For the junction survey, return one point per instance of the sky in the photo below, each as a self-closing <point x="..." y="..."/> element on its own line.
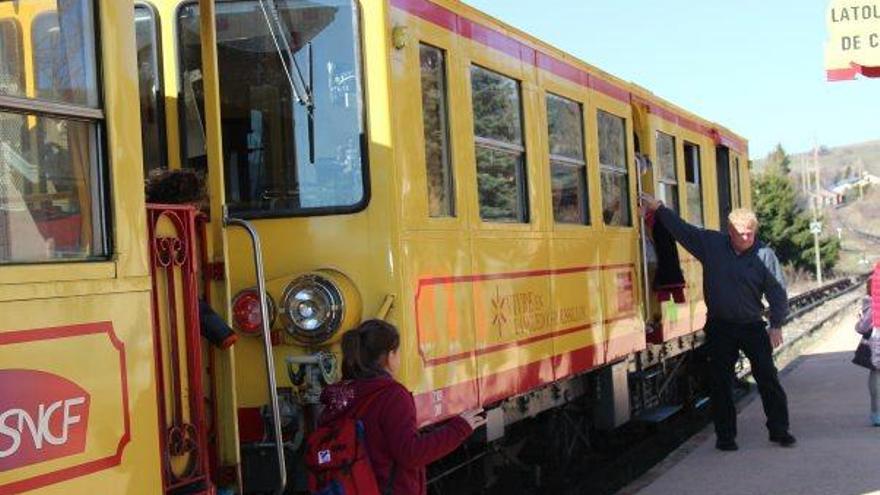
<point x="754" y="66"/>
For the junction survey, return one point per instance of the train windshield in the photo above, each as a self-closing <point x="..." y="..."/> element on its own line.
<point x="291" y="104"/>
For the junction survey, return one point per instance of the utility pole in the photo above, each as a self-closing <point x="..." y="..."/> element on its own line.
<point x="860" y="183"/>
<point x="816" y="225"/>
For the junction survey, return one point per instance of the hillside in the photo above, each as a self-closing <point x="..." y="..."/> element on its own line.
<point x="859" y="231"/>
<point x="833" y="161"/>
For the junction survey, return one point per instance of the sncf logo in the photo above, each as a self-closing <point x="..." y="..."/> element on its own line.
<point x="42" y="417"/>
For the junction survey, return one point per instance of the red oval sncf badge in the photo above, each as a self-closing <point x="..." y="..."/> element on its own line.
<point x="42" y="417"/>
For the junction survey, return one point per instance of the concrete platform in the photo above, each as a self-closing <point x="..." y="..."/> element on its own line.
<point x="838" y="452"/>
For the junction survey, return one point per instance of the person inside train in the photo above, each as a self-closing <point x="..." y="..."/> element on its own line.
<point x="397" y="450"/>
<point x="738" y="271"/>
<point x="868" y="352"/>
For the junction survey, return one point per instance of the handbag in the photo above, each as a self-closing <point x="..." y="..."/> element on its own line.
<point x="862" y="355"/>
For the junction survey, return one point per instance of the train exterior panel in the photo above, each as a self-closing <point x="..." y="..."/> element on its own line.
<point x="78" y="407"/>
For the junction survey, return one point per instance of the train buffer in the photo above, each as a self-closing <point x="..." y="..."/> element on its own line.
<point x="837" y="449"/>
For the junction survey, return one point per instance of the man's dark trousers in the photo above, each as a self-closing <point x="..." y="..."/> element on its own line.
<point x="725" y="340"/>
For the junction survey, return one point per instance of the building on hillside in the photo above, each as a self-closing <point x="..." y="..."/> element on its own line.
<point x="826" y="197"/>
<point x="853" y="184"/>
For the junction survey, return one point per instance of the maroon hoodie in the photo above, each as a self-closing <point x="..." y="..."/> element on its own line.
<point x="392" y="437"/>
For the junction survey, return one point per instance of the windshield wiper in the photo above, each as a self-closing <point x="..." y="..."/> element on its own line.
<point x="301" y="90"/>
<point x="303" y="93"/>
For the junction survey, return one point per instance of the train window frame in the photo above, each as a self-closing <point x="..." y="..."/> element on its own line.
<point x="448" y="209"/>
<point x="363" y="146"/>
<point x="693" y="177"/>
<point x="735" y="191"/>
<point x="161" y="115"/>
<point x="96" y="164"/>
<point x="569" y="163"/>
<point x="616" y="170"/>
<point x="665" y="184"/>
<point x="497" y="146"/>
<point x="18" y="34"/>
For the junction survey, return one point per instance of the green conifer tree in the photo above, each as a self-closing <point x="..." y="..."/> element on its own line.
<point x="785" y="226"/>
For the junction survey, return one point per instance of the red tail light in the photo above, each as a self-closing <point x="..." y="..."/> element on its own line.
<point x="246" y="312"/>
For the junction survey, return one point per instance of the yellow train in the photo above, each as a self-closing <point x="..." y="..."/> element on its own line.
<point x="411" y="160"/>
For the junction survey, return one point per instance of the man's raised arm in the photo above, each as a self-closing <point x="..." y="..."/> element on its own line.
<point x="691" y="237"/>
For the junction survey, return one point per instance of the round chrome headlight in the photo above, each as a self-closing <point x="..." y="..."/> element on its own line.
<point x="313" y="308"/>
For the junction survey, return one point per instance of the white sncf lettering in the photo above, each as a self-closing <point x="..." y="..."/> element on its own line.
<point x="23" y="422"/>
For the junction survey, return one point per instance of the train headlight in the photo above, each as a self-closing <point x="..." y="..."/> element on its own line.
<point x="246" y="314"/>
<point x="317" y="305"/>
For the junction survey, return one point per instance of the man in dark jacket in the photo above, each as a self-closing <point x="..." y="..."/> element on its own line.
<point x="738" y="270"/>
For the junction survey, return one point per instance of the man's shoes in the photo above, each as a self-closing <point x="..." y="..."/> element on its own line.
<point x="727" y="445"/>
<point x="784" y="439"/>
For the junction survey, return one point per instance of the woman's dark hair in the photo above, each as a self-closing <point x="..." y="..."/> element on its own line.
<point x="364" y="347"/>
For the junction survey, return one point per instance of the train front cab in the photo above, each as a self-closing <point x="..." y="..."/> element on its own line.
<point x="78" y="399"/>
<point x="301" y="154"/>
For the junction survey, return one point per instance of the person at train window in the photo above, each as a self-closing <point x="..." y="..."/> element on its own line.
<point x="397" y="450"/>
<point x="868" y="352"/>
<point x="738" y="270"/>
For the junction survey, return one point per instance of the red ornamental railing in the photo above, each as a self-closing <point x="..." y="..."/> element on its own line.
<point x="173" y="238"/>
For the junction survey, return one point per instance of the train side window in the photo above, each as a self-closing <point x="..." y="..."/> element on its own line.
<point x="667" y="172"/>
<point x="613" y="169"/>
<point x="51" y="173"/>
<point x="152" y="94"/>
<point x="441" y="186"/>
<point x="693" y="183"/>
<point x="736" y="198"/>
<point x="568" y="168"/>
<point x="500" y="149"/>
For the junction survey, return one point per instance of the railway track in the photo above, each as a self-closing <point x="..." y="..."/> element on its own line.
<point x="807" y="301"/>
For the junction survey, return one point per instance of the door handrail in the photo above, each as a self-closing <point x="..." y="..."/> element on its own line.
<point x="267" y="342"/>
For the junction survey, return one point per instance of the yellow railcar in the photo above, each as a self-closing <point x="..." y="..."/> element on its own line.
<point x="411" y="160"/>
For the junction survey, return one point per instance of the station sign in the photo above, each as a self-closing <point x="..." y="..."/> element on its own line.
<point x="853" y="44"/>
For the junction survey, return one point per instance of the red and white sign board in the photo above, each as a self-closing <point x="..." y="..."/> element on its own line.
<point x="64" y="409"/>
<point x="853" y="45"/>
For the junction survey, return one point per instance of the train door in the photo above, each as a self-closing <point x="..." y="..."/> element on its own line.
<point x="725" y="205"/>
<point x="283" y="145"/>
<point x="644" y="184"/>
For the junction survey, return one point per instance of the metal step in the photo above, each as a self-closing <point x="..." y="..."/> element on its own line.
<point x="657" y="414"/>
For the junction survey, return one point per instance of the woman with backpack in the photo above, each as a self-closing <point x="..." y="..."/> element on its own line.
<point x="868" y="352"/>
<point x="385" y="412"/>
